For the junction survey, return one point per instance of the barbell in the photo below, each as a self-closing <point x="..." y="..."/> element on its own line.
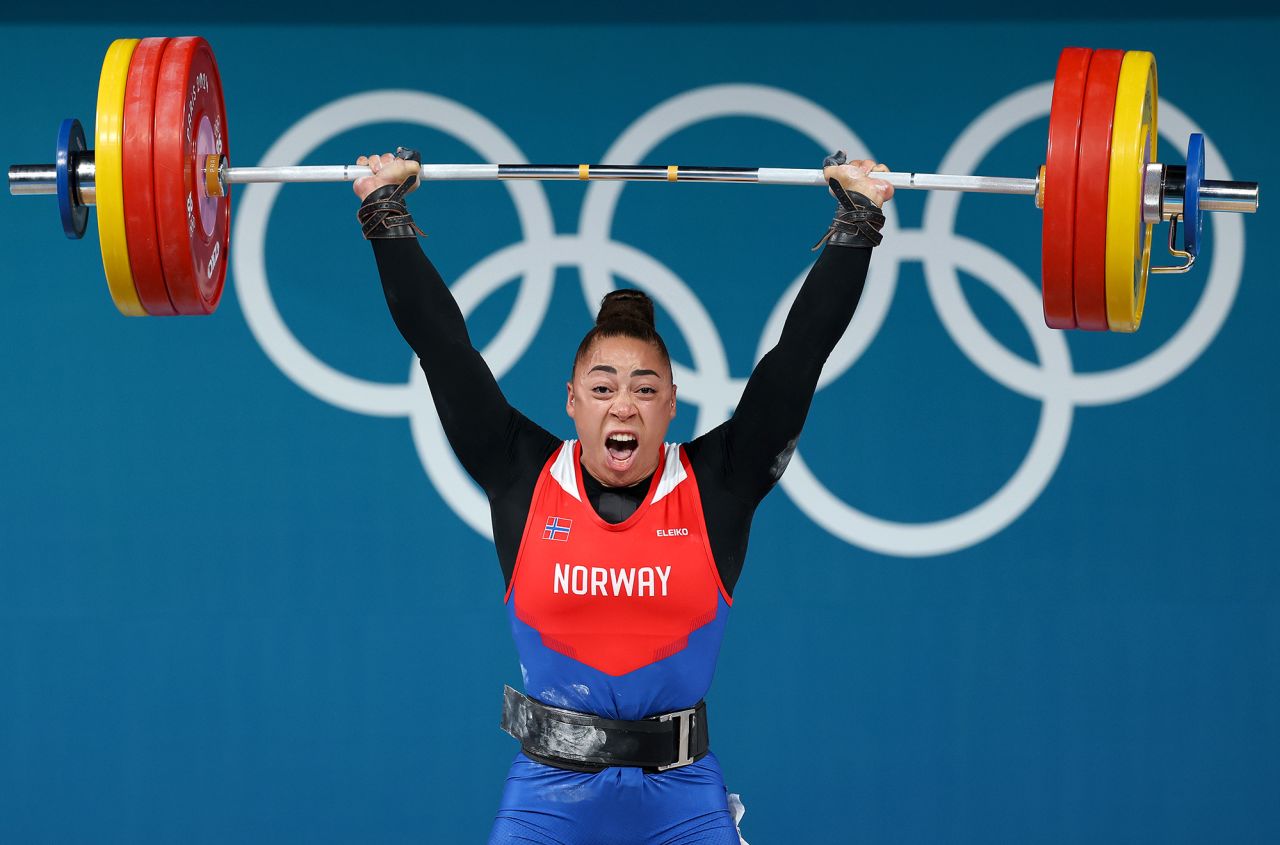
<point x="160" y="176"/>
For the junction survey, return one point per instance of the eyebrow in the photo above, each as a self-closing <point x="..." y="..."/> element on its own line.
<point x="605" y="368"/>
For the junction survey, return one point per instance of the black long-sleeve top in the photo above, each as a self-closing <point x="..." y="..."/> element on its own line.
<point x="735" y="464"/>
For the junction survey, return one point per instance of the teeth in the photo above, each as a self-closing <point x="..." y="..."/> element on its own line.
<point x="623" y="438"/>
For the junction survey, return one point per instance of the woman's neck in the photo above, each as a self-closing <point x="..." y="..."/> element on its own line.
<point x="614" y="504"/>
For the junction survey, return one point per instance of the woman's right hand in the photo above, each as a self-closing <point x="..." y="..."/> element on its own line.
<point x="387" y="170"/>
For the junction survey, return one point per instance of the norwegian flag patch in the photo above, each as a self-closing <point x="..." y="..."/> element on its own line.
<point x="557" y="528"/>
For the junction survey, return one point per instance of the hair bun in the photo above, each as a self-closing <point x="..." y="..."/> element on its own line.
<point x="624" y="313"/>
<point x="627" y="304"/>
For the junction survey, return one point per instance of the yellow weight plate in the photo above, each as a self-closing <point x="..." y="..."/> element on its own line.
<point x="109" y="177"/>
<point x="1133" y="147"/>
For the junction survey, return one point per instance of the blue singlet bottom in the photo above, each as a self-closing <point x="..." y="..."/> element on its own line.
<point x="618" y="806"/>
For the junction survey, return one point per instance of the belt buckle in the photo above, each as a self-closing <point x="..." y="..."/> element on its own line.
<point x="686" y="718"/>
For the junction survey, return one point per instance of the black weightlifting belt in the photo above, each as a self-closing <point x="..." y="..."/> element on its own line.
<point x="582" y="742"/>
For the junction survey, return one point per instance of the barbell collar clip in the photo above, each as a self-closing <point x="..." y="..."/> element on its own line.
<point x="1188" y="259"/>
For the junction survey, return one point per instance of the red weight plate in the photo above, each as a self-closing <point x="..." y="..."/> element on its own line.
<point x="139" y="197"/>
<point x="1056" y="250"/>
<point x="1089" y="275"/>
<point x="190" y="124"/>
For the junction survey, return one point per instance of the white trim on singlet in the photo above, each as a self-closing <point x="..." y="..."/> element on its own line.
<point x="564" y="471"/>
<point x="672" y="472"/>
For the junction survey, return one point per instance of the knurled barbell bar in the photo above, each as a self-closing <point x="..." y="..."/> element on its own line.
<point x="161" y="178"/>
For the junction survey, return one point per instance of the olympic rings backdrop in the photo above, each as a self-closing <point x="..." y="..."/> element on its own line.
<point x="1016" y="585"/>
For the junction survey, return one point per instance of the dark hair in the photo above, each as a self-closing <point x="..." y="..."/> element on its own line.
<point x="624" y="313"/>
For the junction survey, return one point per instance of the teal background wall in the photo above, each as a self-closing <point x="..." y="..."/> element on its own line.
<point x="241" y="598"/>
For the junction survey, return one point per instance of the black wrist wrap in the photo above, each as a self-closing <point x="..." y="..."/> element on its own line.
<point x="857" y="221"/>
<point x="383" y="213"/>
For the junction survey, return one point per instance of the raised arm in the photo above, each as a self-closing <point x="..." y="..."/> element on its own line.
<point x="758" y="441"/>
<point x="486" y="433"/>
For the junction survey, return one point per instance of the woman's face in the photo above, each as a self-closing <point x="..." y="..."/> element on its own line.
<point x="621" y="400"/>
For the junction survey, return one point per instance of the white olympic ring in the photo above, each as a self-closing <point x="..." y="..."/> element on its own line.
<point x="709" y="384"/>
<point x="254" y="211"/>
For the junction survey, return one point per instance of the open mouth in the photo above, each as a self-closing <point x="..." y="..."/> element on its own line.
<point x="621" y="448"/>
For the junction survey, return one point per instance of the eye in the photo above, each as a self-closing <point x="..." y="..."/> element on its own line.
<point x="646" y="390"/>
<point x="600" y="389"/>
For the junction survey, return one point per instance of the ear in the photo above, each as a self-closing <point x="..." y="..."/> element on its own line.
<point x="568" y="402"/>
<point x="672" y="415"/>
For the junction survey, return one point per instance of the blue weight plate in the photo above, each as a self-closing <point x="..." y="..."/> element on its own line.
<point x="1192" y="219"/>
<point x="75" y="214"/>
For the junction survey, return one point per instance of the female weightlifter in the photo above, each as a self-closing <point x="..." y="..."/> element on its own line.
<point x="620" y="552"/>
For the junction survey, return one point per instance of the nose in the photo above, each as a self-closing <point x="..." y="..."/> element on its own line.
<point x="623" y="408"/>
